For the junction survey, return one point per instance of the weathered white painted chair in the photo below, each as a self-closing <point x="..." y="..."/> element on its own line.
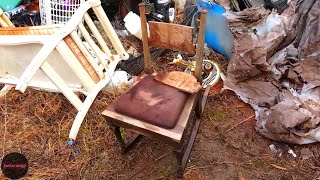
<point x="55" y="58"/>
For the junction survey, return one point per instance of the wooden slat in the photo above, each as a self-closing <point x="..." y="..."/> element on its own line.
<point x="98" y="36"/>
<point x="144" y="32"/>
<point x="200" y="46"/>
<point x="76" y="66"/>
<point x="171" y="36"/>
<point x="110" y="32"/>
<point x="87" y="54"/>
<point x="65" y="90"/>
<point x="92" y="44"/>
<point x="81" y="58"/>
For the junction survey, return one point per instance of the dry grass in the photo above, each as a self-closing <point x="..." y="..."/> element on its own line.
<point x="38" y="124"/>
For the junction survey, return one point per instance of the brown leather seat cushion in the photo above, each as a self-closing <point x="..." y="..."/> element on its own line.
<point x="152" y="102"/>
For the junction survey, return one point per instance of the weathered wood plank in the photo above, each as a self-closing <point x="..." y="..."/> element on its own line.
<point x="171" y="36"/>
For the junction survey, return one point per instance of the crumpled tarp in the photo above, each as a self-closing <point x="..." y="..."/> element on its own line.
<point x="276" y="69"/>
<point x="244" y="20"/>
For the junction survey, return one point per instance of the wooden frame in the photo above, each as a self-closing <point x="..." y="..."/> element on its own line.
<point x="176" y="136"/>
<point x="54" y="58"/>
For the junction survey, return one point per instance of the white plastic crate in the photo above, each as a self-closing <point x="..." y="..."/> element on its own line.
<point x="58" y="11"/>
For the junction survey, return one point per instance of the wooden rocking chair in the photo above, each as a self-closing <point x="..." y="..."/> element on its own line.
<point x="140" y="109"/>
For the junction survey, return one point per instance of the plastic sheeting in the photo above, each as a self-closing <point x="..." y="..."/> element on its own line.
<point x="276" y="69"/>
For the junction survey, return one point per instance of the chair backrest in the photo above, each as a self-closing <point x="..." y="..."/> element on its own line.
<point x="171" y="36"/>
<point x="174" y="37"/>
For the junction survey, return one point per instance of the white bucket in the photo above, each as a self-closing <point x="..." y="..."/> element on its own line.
<point x="119" y="78"/>
<point x="133" y="24"/>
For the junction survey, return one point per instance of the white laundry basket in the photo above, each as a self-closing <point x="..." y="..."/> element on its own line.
<point x="58" y="11"/>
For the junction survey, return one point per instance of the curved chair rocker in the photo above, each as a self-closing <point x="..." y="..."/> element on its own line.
<point x="55" y="58"/>
<point x="154" y="109"/>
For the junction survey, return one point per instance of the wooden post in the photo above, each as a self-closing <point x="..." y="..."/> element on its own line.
<point x="200" y="46"/>
<point x="144" y="31"/>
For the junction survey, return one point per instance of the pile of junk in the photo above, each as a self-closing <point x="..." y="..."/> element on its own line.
<point x="272" y="48"/>
<point x="218" y="36"/>
<point x="26" y="13"/>
<point x="22" y="13"/>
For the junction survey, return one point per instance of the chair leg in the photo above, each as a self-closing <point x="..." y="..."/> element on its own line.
<point x="4" y="90"/>
<point x="201" y="103"/>
<point x="125" y="146"/>
<point x="198" y="108"/>
<point x="179" y="156"/>
<point x="183" y="152"/>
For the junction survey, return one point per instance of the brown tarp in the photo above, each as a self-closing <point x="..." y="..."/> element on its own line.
<point x="276" y="69"/>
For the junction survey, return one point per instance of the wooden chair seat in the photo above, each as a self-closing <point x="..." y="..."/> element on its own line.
<point x="152" y="102"/>
<point x="175" y="134"/>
